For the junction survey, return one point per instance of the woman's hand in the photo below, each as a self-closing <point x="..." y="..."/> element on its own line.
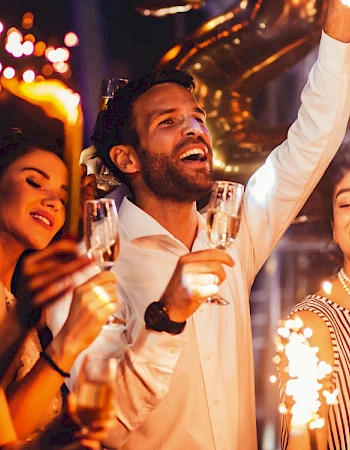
<point x="47" y="275"/>
<point x="93" y="302"/>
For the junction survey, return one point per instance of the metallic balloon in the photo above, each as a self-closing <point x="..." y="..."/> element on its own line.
<point x="232" y="57"/>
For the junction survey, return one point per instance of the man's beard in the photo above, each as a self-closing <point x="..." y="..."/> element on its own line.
<point x="165" y="178"/>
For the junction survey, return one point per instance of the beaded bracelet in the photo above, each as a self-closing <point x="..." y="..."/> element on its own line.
<point x="54" y="365"/>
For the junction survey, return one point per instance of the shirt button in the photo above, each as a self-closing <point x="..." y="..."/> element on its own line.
<point x="201" y="310"/>
<point x="216" y="402"/>
<point x="208" y="355"/>
<point x="173" y="351"/>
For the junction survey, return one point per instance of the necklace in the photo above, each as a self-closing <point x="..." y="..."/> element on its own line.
<point x="343" y="278"/>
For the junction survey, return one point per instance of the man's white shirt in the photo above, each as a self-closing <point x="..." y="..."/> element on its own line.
<point x="196" y="390"/>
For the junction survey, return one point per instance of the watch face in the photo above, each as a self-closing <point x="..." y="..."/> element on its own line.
<point x="157" y="319"/>
<point x="154" y="314"/>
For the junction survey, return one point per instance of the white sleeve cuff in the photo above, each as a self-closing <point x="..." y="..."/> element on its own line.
<point x="334" y="55"/>
<point x="160" y="349"/>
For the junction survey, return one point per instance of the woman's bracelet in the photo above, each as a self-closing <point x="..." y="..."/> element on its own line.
<point x="54" y="365"/>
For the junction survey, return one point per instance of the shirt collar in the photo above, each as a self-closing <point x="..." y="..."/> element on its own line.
<point x="135" y="223"/>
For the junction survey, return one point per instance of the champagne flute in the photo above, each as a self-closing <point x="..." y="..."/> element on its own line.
<point x="95" y="389"/>
<point x="101" y="231"/>
<point x="101" y="236"/>
<point x="109" y="87"/>
<point x="223" y="220"/>
<point x="105" y="180"/>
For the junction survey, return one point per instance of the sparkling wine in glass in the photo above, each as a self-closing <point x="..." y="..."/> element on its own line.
<point x="105" y="180"/>
<point x="101" y="231"/>
<point x="96" y="389"/>
<point x="223" y="219"/>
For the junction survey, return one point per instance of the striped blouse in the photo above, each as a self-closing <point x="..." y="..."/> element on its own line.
<point x="337" y="319"/>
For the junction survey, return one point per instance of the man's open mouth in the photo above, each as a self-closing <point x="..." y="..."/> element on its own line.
<point x="195" y="154"/>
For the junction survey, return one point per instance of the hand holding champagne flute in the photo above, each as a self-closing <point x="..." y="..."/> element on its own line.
<point x="223" y="219"/>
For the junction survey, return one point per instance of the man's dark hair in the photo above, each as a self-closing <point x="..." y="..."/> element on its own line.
<point x="115" y="126"/>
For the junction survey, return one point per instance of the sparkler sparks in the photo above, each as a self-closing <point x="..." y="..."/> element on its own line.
<point x="307" y="375"/>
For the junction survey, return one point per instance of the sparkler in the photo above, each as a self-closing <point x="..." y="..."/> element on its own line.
<point x="305" y="372"/>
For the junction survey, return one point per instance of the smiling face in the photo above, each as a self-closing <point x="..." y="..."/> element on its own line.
<point x="175" y="150"/>
<point x="33" y="193"/>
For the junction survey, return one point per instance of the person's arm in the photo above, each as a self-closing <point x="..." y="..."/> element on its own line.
<point x="89" y="312"/>
<point x="7" y="430"/>
<point x="321" y="338"/>
<point x="337" y="19"/>
<point x="30" y="398"/>
<point x="278" y="190"/>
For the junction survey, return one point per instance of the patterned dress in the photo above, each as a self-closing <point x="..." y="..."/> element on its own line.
<point x="337" y="319"/>
<point x="25" y="359"/>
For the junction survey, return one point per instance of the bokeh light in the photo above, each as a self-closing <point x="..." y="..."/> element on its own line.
<point x="47" y="70"/>
<point x="28" y="48"/>
<point x="29" y="37"/>
<point x="60" y="67"/>
<point x="9" y="72"/>
<point x="27" y="20"/>
<point x="39" y="48"/>
<point x="71" y="39"/>
<point x="28" y="76"/>
<point x="58" y="55"/>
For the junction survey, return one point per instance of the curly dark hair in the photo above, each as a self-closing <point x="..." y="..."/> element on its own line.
<point x="115" y="126"/>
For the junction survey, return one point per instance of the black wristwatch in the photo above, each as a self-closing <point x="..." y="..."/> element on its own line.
<point x="157" y="319"/>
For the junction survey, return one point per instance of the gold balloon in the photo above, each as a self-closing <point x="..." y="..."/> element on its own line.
<point x="232" y="57"/>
